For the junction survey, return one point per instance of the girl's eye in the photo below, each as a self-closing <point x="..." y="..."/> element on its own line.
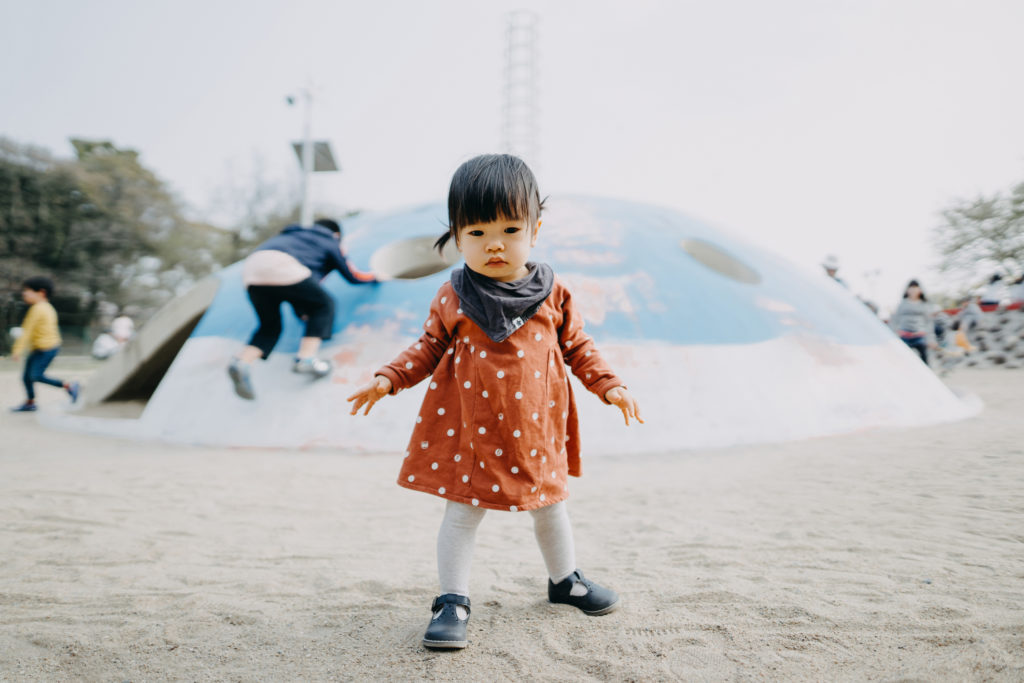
<point x="511" y="230"/>
<point x="476" y="233"/>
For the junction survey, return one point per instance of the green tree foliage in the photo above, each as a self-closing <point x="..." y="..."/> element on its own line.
<point x="102" y="225"/>
<point x="984" y="235"/>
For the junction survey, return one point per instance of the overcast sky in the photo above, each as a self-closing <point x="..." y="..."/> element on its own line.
<point x="809" y="127"/>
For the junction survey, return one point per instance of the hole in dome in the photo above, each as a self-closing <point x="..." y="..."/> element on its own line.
<point x="413" y="258"/>
<point x="720" y="261"/>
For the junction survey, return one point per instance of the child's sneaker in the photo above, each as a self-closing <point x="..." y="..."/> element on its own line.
<point x="312" y="366"/>
<point x="239" y="374"/>
<point x="73" y="389"/>
<point x="26" y="407"/>
<point x="447" y="630"/>
<point x="588" y="596"/>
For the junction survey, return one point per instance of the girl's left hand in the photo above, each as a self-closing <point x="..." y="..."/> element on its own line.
<point x="621" y="397"/>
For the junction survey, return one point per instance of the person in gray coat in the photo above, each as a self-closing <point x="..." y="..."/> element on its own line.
<point x="913" y="322"/>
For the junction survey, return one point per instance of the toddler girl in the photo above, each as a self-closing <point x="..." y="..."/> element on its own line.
<point x="498" y="427"/>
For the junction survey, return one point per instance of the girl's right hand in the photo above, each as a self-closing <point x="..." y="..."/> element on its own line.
<point x="370" y="394"/>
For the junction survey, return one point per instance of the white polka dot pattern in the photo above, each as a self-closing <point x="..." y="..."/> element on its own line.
<point x="519" y="381"/>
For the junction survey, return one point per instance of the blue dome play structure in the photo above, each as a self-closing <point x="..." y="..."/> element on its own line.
<point x="721" y="342"/>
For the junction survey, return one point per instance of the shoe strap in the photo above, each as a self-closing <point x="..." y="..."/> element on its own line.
<point x="450" y="599"/>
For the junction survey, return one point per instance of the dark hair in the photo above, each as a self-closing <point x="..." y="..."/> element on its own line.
<point x="328" y="223"/>
<point x="39" y="283"/>
<point x="489" y="187"/>
<point x="914" y="283"/>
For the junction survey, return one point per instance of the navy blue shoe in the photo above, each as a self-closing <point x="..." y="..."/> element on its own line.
<point x="26" y="407"/>
<point x="596" y="601"/>
<point x="239" y="374"/>
<point x="447" y="631"/>
<point x="73" y="390"/>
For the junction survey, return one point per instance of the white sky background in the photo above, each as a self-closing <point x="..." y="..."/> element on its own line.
<point x="810" y="127"/>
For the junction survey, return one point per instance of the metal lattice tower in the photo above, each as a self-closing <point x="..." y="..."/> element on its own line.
<point x="520" y="131"/>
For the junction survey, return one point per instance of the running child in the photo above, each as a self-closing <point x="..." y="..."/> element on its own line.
<point x="498" y="428"/>
<point x="40" y="336"/>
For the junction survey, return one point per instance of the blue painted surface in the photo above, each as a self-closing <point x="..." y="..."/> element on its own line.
<point x="688" y="304"/>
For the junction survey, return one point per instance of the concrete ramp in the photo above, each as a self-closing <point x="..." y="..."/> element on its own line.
<point x="134" y="372"/>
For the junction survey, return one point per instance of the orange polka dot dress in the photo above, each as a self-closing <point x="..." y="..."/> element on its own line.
<point x="498" y="427"/>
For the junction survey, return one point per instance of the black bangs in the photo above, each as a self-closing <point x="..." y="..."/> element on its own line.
<point x="489" y="187"/>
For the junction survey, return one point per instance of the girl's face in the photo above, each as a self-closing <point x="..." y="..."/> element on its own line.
<point x="914" y="292"/>
<point x="499" y="249"/>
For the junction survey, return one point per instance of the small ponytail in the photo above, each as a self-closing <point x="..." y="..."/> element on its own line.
<point x="442" y="240"/>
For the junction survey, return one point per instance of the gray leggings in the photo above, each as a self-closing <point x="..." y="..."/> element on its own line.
<point x="455" y="542"/>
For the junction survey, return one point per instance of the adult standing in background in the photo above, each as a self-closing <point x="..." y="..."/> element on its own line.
<point x="912" y="320"/>
<point x="288" y="268"/>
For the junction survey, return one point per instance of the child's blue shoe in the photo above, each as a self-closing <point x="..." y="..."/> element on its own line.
<point x="597" y="599"/>
<point x="73" y="389"/>
<point x="239" y="374"/>
<point x="447" y="631"/>
<point x="26" y="407"/>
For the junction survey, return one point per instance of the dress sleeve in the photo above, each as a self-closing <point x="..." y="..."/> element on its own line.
<point x="581" y="354"/>
<point x="418" y="361"/>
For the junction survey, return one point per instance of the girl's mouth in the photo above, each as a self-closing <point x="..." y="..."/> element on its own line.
<point x="496" y="262"/>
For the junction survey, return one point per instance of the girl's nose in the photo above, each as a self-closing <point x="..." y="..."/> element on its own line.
<point x="495" y="245"/>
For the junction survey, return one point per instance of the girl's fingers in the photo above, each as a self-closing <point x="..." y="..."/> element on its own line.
<point x="356" y="405"/>
<point x="629" y="407"/>
<point x="624" y="407"/>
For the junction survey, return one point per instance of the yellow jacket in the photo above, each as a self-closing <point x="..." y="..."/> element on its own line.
<point x="39" y="329"/>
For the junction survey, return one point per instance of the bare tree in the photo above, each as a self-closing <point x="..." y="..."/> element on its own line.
<point x="254" y="205"/>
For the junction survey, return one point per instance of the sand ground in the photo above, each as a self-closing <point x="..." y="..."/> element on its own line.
<point x="893" y="555"/>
